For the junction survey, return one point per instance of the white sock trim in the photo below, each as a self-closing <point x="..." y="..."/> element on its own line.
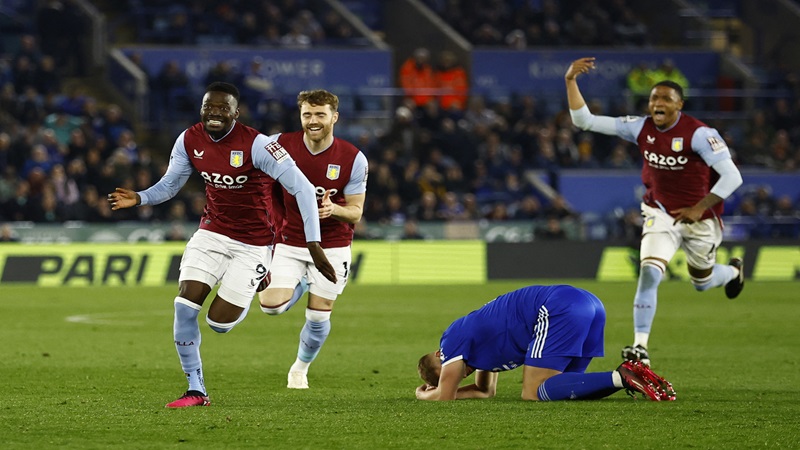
<point x="188" y="303"/>
<point x="224" y="326"/>
<point x="616" y="378"/>
<point x="276" y="310"/>
<point x="640" y="338"/>
<point x="315" y="315"/>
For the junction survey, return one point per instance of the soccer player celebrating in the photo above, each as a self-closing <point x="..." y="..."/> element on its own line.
<point x="687" y="173"/>
<point x="232" y="245"/>
<point x="552" y="331"/>
<point x="338" y="170"/>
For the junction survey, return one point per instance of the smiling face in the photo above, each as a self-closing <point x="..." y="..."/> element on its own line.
<point x="317" y="122"/>
<point x="218" y="112"/>
<point x="664" y="106"/>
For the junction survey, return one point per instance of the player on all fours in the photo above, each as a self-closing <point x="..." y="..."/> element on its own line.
<point x="338" y="170"/>
<point x="231" y="246"/>
<point x="552" y="331"/>
<point x="687" y="173"/>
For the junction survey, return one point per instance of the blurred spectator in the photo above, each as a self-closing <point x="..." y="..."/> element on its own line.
<point x="619" y="158"/>
<point x="74" y="100"/>
<point x="763" y="201"/>
<point x="785" y="208"/>
<point x="417" y="77"/>
<point x="295" y="38"/>
<point x="486" y="35"/>
<point x="62" y="125"/>
<point x="639" y="82"/>
<point x="309" y="26"/>
<point x="395" y="213"/>
<point x="452" y="79"/>
<point x="629" y="30"/>
<point x="248" y="29"/>
<point x="516" y="40"/>
<point x="362" y="231"/>
<point x="257" y="87"/>
<point x="29" y="49"/>
<point x="171" y="91"/>
<point x="7" y="234"/>
<point x="411" y="231"/>
<point x="529" y="208"/>
<point x="62" y="29"/>
<point x="225" y="72"/>
<point x="39" y="159"/>
<point x="47" y="80"/>
<point x="426" y="209"/>
<point x="24" y="75"/>
<point x="450" y="208"/>
<point x="551" y="230"/>
<point x="668" y="71"/>
<point x="5" y="146"/>
<point x="176" y="232"/>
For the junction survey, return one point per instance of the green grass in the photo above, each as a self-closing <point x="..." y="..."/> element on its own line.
<point x="103" y="382"/>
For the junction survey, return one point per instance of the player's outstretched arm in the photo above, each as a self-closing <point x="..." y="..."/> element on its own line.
<point x="574" y="96"/>
<point x="123" y="198"/>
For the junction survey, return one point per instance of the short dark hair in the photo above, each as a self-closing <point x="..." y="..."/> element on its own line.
<point x="221" y="86"/>
<point x="318" y="97"/>
<point x="671" y="84"/>
<point x="429" y="368"/>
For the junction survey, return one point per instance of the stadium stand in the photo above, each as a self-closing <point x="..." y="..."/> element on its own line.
<point x="64" y="144"/>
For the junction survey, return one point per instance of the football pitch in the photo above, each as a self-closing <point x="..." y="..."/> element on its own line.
<point x="93" y="367"/>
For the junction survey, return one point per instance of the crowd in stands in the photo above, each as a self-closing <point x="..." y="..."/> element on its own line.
<point x="282" y="23"/>
<point x="445" y="157"/>
<point x="521" y="24"/>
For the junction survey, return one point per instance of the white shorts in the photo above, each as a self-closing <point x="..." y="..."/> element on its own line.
<point x="212" y="258"/>
<point x="661" y="239"/>
<point x="290" y="264"/>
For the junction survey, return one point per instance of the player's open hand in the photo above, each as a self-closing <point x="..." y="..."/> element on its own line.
<point x="321" y="261"/>
<point x="123" y="198"/>
<point x="326" y="205"/>
<point x="579" y="66"/>
<point x="687" y="215"/>
<point x="424" y="392"/>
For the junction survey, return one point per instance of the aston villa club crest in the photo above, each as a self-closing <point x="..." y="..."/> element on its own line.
<point x="333" y="171"/>
<point x="677" y="144"/>
<point x="237" y="158"/>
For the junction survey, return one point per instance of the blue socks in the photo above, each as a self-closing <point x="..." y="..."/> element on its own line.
<point x="186" y="331"/>
<point x="577" y="386"/>
<point x="299" y="291"/>
<point x="313" y="334"/>
<point x="644" y="303"/>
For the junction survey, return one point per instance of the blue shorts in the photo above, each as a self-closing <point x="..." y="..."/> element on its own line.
<point x="568" y="332"/>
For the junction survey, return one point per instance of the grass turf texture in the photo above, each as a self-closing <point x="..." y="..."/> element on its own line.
<point x="93" y="368"/>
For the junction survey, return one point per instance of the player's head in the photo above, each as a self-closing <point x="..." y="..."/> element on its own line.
<point x="220" y="108"/>
<point x="666" y="101"/>
<point x="318" y="112"/>
<point x="429" y="368"/>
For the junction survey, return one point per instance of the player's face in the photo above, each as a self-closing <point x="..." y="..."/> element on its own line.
<point x="317" y="121"/>
<point x="664" y="105"/>
<point x="218" y="112"/>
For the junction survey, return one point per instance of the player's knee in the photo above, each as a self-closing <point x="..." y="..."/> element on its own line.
<point x="220" y="327"/>
<point x="651" y="273"/>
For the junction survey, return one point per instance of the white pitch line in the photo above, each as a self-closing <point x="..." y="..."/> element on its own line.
<point x="115" y="318"/>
